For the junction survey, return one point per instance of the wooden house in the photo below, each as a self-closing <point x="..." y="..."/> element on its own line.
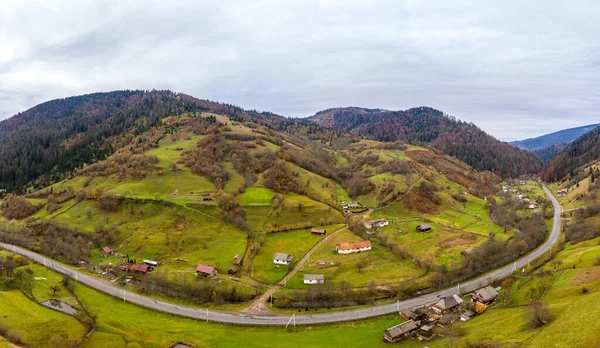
<point x="486" y="295"/>
<point x="447" y="304"/>
<point x="400" y="331"/>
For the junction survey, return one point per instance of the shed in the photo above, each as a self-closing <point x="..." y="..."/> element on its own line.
<point x="207" y="197"/>
<point x="151" y="263"/>
<point x="314" y="279"/>
<point x="466" y="315"/>
<point x="319" y="231"/>
<point x="237" y="259"/>
<point x="206" y="270"/>
<point x="282" y="259"/>
<point x="400" y="331"/>
<point x="424" y="228"/>
<point x="447" y="319"/>
<point x="232" y="270"/>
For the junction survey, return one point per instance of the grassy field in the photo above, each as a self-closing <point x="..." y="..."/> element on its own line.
<point x="298" y="211"/>
<point x="256" y="196"/>
<point x="455" y="228"/>
<point x="164" y="233"/>
<point x="295" y="243"/>
<point x="381" y="265"/>
<point x="35" y="324"/>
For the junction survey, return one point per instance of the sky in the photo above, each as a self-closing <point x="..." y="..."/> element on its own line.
<point x="517" y="69"/>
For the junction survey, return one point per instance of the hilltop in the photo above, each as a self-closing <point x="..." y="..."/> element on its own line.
<point x="428" y="127"/>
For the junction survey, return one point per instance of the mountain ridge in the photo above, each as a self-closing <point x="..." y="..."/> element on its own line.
<point x="427" y="126"/>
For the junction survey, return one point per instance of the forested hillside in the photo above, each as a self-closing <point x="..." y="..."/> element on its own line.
<point x="45" y="143"/>
<point x="582" y="151"/>
<point x="548" y="153"/>
<point x="429" y="127"/>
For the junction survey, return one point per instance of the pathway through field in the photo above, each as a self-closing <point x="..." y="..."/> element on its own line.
<point x="258" y="307"/>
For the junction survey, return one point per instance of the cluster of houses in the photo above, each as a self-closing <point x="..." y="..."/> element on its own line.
<point x="421" y="322"/>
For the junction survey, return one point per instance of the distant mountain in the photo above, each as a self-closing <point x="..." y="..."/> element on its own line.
<point x="430" y="127"/>
<point x="579" y="153"/>
<point x="549" y="140"/>
<point x="548" y="153"/>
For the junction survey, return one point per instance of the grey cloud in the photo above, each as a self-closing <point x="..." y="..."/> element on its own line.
<point x="515" y="69"/>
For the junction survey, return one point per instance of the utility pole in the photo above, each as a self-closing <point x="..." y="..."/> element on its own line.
<point x="397" y="306"/>
<point x="124" y="296"/>
<point x="207" y="314"/>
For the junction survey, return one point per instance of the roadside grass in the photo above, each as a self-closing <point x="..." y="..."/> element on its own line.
<point x="125" y="325"/>
<point x="35" y="324"/>
<point x="381" y="264"/>
<point x="295" y="243"/>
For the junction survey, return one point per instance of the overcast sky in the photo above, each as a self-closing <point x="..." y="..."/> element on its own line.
<point x="517" y="69"/>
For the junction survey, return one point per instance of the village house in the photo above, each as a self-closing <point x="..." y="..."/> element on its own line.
<point x="232" y="270"/>
<point x="314" y="279"/>
<point x="356" y="247"/>
<point x="207" y="197"/>
<point x="139" y="268"/>
<point x="106" y="251"/>
<point x="282" y="259"/>
<point x="447" y="304"/>
<point x="400" y="331"/>
<point x="151" y="263"/>
<point x="206" y="270"/>
<point x="236" y="259"/>
<point x="377" y="222"/>
<point x="417" y="315"/>
<point x="486" y="295"/>
<point x="562" y="192"/>
<point x="424" y="228"/>
<point x="318" y="231"/>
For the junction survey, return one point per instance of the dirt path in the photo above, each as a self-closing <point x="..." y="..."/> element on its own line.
<point x="259" y="307"/>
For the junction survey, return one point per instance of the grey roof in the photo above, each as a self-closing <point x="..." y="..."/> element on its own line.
<point x="467" y="314"/>
<point x="449" y="302"/>
<point x="486" y="294"/>
<point x="424" y="226"/>
<point x="314" y="277"/>
<point x="401" y="329"/>
<point x="447" y="318"/>
<point x="282" y="256"/>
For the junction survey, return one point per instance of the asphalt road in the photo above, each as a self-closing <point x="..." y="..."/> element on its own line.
<point x="282" y="320"/>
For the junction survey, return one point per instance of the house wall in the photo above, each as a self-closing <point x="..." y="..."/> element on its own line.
<point x="281" y="262"/>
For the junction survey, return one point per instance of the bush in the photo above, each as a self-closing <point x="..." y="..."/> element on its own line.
<point x="538" y="314"/>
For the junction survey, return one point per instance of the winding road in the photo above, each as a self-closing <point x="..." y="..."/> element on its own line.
<point x="282" y="320"/>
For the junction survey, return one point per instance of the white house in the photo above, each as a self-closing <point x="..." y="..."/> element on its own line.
<point x="356" y="247"/>
<point x="314" y="279"/>
<point x="377" y="222"/>
<point x="282" y="259"/>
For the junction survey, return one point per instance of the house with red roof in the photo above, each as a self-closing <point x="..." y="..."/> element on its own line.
<point x="356" y="247"/>
<point x="106" y="251"/>
<point x="206" y="270"/>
